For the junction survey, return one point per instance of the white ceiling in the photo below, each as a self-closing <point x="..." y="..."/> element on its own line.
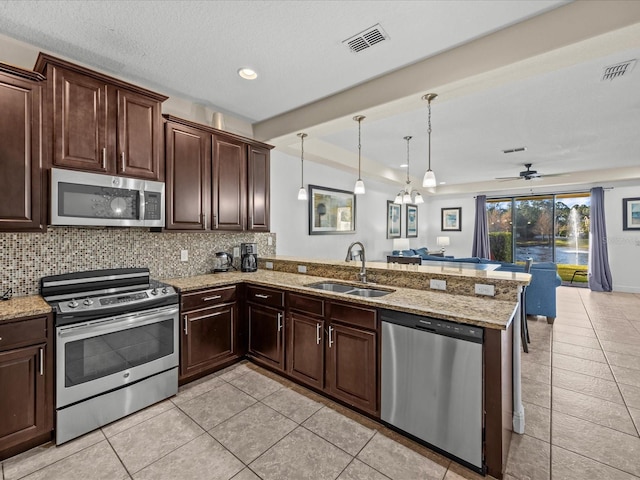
<point x="552" y="101"/>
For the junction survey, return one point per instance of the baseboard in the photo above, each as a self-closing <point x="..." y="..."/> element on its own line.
<point x="626" y="288"/>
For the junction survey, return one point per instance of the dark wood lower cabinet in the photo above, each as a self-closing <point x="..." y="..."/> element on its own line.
<point x="352" y="362"/>
<point x="306" y="350"/>
<point x="209" y="338"/>
<point x="26" y="385"/>
<point x="266" y="335"/>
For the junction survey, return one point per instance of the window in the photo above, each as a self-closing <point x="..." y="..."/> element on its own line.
<point x="547" y="228"/>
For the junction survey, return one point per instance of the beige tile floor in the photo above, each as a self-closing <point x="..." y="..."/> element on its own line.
<point x="581" y="390"/>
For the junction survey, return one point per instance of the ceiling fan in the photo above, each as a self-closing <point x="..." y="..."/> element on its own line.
<point x="529" y="174"/>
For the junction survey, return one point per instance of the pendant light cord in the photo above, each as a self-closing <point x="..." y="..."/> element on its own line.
<point x="429" y="131"/>
<point x="302" y="161"/>
<point x="359" y="147"/>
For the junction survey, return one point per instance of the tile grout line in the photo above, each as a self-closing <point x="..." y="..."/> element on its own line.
<point x="118" y="456"/>
<point x="615" y="378"/>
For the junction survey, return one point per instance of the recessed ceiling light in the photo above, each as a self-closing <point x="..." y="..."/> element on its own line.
<point x="247" y="73"/>
<point x="442" y="183"/>
<point x="404" y="165"/>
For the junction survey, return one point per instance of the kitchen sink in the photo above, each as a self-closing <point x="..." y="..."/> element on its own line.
<point x="349" y="289"/>
<point x="368" y="292"/>
<point x="332" y="287"/>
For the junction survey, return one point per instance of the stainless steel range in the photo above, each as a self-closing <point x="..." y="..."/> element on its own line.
<point x="116" y="345"/>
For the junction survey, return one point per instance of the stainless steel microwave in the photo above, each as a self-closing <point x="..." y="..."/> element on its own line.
<point x="80" y="198"/>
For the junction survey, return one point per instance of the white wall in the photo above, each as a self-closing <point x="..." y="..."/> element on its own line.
<point x="290" y="217"/>
<point x="460" y="242"/>
<point x="623" y="245"/>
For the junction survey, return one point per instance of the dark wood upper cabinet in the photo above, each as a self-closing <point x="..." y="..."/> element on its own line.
<point x="258" y="188"/>
<point x="235" y="185"/>
<point x="101" y="124"/>
<point x="21" y="179"/>
<point x="229" y="192"/>
<point x="188" y="157"/>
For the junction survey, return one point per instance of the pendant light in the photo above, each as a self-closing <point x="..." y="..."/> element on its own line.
<point x="358" y="189"/>
<point x="429" y="177"/>
<point x="405" y="195"/>
<point x="302" y="193"/>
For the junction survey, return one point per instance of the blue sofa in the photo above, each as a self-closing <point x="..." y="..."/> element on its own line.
<point x="541" y="292"/>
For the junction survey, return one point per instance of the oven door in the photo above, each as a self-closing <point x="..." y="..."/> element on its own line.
<point x="101" y="355"/>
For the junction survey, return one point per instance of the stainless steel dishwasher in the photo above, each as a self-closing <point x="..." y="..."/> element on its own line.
<point x="432" y="382"/>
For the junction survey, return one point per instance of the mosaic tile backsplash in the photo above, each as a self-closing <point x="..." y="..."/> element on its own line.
<point x="26" y="257"/>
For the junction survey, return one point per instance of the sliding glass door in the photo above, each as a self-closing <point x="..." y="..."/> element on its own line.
<point x="547" y="228"/>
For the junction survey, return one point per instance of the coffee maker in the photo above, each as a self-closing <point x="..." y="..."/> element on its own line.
<point x="248" y="257"/>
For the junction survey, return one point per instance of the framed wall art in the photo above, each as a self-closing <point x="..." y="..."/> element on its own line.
<point x="393" y="219"/>
<point x="411" y="221"/>
<point x="451" y="219"/>
<point x="331" y="211"/>
<point x="631" y="214"/>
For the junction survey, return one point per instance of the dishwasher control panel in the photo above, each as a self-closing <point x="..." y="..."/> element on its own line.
<point x="434" y="325"/>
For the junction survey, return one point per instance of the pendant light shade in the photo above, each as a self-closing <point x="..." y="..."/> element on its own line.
<point x="418" y="199"/>
<point x="358" y="188"/>
<point x="398" y="200"/>
<point x="429" y="179"/>
<point x="302" y="193"/>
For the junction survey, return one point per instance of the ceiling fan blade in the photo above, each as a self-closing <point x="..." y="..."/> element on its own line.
<point x="553" y="175"/>
<point x="508" y="178"/>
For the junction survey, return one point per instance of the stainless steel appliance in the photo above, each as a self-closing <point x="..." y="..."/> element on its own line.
<point x="116" y="345"/>
<point x="432" y="383"/>
<point x="222" y="262"/>
<point x="80" y="198"/>
<point x="248" y="257"/>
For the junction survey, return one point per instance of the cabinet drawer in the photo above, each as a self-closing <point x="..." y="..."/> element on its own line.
<point x="265" y="296"/>
<point x="304" y="303"/>
<point x="356" y="316"/>
<point x="207" y="298"/>
<point x="23" y="333"/>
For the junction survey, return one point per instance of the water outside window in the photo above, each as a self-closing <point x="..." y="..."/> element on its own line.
<point x="547" y="228"/>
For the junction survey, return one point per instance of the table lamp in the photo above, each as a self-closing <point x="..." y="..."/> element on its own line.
<point x="442" y="242"/>
<point x="400" y="244"/>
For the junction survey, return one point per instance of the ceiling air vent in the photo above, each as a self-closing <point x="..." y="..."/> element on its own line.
<point x="618" y="70"/>
<point x="514" y="150"/>
<point x="366" y="39"/>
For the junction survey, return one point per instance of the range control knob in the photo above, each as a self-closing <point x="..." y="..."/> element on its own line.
<point x="154" y="291"/>
<point x="88" y="302"/>
<point x="73" y="304"/>
<point x="165" y="290"/>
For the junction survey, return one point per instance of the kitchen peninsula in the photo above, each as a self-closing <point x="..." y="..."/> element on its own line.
<point x="331" y="341"/>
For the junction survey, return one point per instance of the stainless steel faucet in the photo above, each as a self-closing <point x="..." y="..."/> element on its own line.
<point x="363" y="271"/>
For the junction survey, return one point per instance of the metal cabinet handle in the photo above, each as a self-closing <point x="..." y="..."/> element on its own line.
<point x="186" y="322"/>
<point x="214" y="297"/>
<point x="279" y="322"/>
<point x="330" y="334"/>
<point x="41" y="361"/>
<point x="215" y="221"/>
<point x="104" y="158"/>
<point x="318" y="327"/>
<point x="260" y="295"/>
<point x="122" y="160"/>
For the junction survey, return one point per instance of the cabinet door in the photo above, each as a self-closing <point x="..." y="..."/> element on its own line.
<point x="208" y="338"/>
<point x="188" y="155"/>
<point x="306" y="354"/>
<point x="229" y="184"/>
<point x="266" y="335"/>
<point x="21" y="206"/>
<point x="139" y="136"/>
<point x="82" y="133"/>
<point x="352" y="365"/>
<point x="23" y="412"/>
<point x="258" y="189"/>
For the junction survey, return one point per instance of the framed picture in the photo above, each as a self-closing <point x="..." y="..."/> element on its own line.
<point x="393" y="219"/>
<point x="331" y="211"/>
<point x="631" y="214"/>
<point x="451" y="219"/>
<point x="411" y="221"/>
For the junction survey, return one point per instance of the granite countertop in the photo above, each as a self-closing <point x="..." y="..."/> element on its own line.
<point x="488" y="313"/>
<point x="23" y="307"/>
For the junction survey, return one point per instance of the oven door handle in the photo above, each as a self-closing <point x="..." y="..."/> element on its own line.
<point x="143" y="205"/>
<point x="96" y="327"/>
